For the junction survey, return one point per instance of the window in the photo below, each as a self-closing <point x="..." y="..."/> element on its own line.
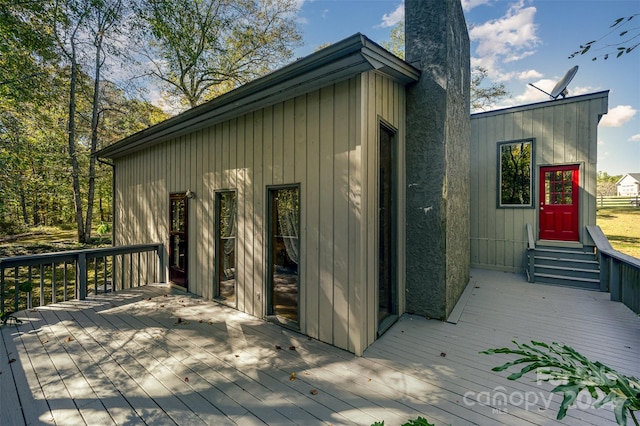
<point x="284" y="253"/>
<point x="515" y="174"/>
<point x="226" y="208"/>
<point x="178" y="243"/>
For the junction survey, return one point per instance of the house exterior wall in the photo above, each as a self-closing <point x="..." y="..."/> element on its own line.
<point x="563" y="132"/>
<point x="326" y="142"/>
<point x="628" y="186"/>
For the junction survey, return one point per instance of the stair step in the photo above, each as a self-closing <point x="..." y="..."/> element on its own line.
<point x="569" y="272"/>
<point x="565" y="254"/>
<point x="590" y="264"/>
<point x="585" y="283"/>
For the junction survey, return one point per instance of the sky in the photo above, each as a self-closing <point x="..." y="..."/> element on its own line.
<point x="521" y="42"/>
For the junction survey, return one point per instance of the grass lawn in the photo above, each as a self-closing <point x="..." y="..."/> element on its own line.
<point x="622" y="228"/>
<point x="46" y="239"/>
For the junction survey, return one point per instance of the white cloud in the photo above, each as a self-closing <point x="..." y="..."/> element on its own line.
<point x="528" y="75"/>
<point x="391" y="19"/>
<point x="507" y="39"/>
<point x="509" y="36"/>
<point x="618" y="116"/>
<point x="467" y="5"/>
<point x="635" y="138"/>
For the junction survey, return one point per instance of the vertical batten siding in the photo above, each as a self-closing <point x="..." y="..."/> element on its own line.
<point x="564" y="132"/>
<point x="382" y="99"/>
<point x="324" y="141"/>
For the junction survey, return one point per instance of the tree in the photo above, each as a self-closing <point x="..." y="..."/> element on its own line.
<point x="482" y="97"/>
<point x="105" y="17"/>
<point x="606" y="183"/>
<point x="201" y="48"/>
<point x="81" y="29"/>
<point x="26" y="47"/>
<point x="627" y="42"/>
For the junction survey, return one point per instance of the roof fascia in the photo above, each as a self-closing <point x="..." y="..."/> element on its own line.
<point x="349" y="57"/>
<point x="556" y="102"/>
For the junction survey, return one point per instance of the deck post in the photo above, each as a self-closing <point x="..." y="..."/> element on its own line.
<point x="604" y="262"/>
<point x="1" y="290"/>
<point x="614" y="279"/>
<point x="161" y="264"/>
<point x="81" y="276"/>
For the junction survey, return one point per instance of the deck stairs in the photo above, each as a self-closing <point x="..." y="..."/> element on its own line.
<point x="566" y="266"/>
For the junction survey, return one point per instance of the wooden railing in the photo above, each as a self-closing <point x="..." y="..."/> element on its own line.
<point x="36" y="280"/>
<point x="531" y="252"/>
<point x="619" y="272"/>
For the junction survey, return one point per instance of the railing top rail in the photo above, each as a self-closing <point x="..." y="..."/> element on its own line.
<point x="71" y="255"/>
<point x="531" y="240"/>
<point x="603" y="245"/>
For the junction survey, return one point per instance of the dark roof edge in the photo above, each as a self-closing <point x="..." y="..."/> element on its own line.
<point x="554" y="102"/>
<point x="347" y="57"/>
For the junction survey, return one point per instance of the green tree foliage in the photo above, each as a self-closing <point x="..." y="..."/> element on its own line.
<point x="482" y="96"/>
<point x="200" y="49"/>
<point x="515" y="173"/>
<point x="606" y="183"/>
<point x="626" y="42"/>
<point x="26" y="47"/>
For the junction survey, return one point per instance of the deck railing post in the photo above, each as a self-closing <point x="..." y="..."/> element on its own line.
<point x="16" y="294"/>
<point x="1" y="290"/>
<point x="614" y="280"/>
<point x="604" y="262"/>
<point x="81" y="278"/>
<point x="161" y="264"/>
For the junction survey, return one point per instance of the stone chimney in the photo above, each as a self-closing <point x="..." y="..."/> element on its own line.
<point x="438" y="141"/>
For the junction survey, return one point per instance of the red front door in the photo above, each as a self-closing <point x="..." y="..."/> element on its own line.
<point x="559" y="191"/>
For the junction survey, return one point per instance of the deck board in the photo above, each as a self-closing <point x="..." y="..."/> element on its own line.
<point x="156" y="355"/>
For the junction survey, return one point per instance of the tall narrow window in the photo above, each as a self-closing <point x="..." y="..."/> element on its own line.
<point x="387" y="285"/>
<point x="226" y="208"/>
<point x="284" y="252"/>
<point x="178" y="239"/>
<point x="515" y="174"/>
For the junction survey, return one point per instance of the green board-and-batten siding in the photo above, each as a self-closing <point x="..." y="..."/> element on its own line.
<point x="563" y="132"/>
<point x="325" y="141"/>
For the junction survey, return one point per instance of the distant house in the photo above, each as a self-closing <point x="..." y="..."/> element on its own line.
<point x="629" y="185"/>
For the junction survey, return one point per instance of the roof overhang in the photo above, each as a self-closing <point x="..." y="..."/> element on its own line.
<point x="604" y="96"/>
<point x="340" y="61"/>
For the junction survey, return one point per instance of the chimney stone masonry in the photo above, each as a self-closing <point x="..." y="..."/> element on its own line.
<point x="437" y="157"/>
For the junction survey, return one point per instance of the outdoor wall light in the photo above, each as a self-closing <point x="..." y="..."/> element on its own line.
<point x="190" y="194"/>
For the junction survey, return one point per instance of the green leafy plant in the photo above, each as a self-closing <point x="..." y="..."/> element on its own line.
<point x="26" y="287"/>
<point x="575" y="373"/>
<point x="420" y="421"/>
<point x="102" y="229"/>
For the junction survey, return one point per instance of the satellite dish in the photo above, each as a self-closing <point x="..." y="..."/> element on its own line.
<point x="561" y="86"/>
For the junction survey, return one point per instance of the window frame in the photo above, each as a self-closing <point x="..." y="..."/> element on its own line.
<point x="499" y="203"/>
<point x="270" y="314"/>
<point x="218" y="194"/>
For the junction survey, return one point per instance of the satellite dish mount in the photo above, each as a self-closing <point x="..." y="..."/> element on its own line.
<point x="560" y="89"/>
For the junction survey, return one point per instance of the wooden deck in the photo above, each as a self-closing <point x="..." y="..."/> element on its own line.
<point x="154" y="355"/>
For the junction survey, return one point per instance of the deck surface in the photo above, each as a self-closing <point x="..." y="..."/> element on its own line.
<point x="154" y="355"/>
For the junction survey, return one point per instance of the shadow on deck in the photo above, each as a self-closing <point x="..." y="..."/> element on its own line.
<point x="159" y="356"/>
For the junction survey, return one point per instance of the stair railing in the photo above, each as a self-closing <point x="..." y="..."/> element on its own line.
<point x="619" y="272"/>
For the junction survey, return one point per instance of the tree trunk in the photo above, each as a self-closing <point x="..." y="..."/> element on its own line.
<point x="23" y="206"/>
<point x="75" y="168"/>
<point x="95" y="115"/>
